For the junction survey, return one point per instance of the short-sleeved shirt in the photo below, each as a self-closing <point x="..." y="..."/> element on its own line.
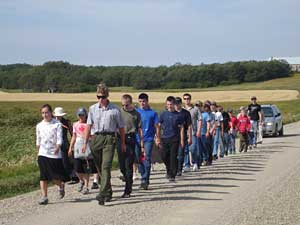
<point x="226" y="120"/>
<point x="196" y="116"/>
<point x="205" y="119"/>
<point x="212" y="117"/>
<point x="218" y="118"/>
<point x="132" y="120"/>
<point x="171" y="123"/>
<point x="79" y="129"/>
<point x="253" y="110"/>
<point x="149" y="119"/>
<point x="48" y="135"/>
<point x="186" y="118"/>
<point x="107" y="119"/>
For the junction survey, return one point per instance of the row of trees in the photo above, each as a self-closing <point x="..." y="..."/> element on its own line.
<point x="66" y="77"/>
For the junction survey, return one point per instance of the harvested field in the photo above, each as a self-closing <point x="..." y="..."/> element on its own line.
<point x="158" y="97"/>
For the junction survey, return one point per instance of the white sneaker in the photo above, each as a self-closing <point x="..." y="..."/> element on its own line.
<point x="135" y="177"/>
<point x="152" y="168"/>
<point x="186" y="169"/>
<point x="195" y="167"/>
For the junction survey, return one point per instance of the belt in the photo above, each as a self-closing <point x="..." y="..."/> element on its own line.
<point x="105" y="133"/>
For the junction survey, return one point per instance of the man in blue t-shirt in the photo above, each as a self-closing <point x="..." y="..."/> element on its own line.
<point x="205" y="135"/>
<point x="173" y="134"/>
<point x="150" y="128"/>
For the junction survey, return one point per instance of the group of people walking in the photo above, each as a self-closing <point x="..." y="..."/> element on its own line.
<point x="187" y="137"/>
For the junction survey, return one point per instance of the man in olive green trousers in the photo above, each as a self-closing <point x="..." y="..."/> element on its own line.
<point x="104" y="120"/>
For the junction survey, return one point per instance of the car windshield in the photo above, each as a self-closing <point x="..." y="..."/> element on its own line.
<point x="267" y="111"/>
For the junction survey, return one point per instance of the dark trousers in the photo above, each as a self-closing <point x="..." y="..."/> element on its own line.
<point x="208" y="144"/>
<point x="169" y="155"/>
<point x="126" y="160"/>
<point x="181" y="154"/>
<point x="103" y="148"/>
<point x="66" y="160"/>
<point x="243" y="142"/>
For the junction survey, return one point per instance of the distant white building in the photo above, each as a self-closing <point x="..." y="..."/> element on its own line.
<point x="294" y="62"/>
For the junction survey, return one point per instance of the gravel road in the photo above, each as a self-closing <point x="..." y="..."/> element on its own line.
<point x="259" y="187"/>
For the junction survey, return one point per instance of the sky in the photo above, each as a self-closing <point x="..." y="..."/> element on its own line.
<point x="148" y="33"/>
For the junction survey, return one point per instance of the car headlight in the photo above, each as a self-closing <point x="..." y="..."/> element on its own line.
<point x="269" y="123"/>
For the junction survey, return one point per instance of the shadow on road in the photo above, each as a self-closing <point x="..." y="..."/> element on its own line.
<point x="235" y="168"/>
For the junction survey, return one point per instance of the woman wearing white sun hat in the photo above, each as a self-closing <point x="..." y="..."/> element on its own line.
<point x="66" y="128"/>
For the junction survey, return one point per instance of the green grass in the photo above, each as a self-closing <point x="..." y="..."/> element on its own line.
<point x="287" y="83"/>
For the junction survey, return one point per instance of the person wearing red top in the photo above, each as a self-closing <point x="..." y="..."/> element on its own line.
<point x="232" y="131"/>
<point x="243" y="127"/>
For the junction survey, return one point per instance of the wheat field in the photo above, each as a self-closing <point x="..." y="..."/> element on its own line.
<point x="158" y="97"/>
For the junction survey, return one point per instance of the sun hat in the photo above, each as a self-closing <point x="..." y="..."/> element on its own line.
<point x="59" y="111"/>
<point x="81" y="111"/>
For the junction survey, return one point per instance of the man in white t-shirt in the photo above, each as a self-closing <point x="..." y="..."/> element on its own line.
<point x="217" y="130"/>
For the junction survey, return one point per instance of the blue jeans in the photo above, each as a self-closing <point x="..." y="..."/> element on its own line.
<point x="225" y="143"/>
<point x="202" y="155"/>
<point x="231" y="148"/>
<point x="145" y="166"/>
<point x="193" y="148"/>
<point x="254" y="130"/>
<point x="206" y="146"/>
<point x="216" y="141"/>
<point x="181" y="155"/>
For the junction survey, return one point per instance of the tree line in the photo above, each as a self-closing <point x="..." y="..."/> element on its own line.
<point x="65" y="77"/>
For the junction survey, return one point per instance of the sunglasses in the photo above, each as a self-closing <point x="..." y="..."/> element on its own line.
<point x="186" y="98"/>
<point x="101" y="96"/>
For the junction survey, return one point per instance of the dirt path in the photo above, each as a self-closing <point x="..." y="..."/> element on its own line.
<point x="158" y="97"/>
<point x="260" y="187"/>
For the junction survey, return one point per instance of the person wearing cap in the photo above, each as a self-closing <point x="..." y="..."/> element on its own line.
<point x="67" y="129"/>
<point x="206" y="138"/>
<point x="254" y="112"/>
<point x="217" y="130"/>
<point x="132" y="126"/>
<point x="199" y="105"/>
<point x="196" y="130"/>
<point x="226" y="127"/>
<point x="151" y="133"/>
<point x="104" y="120"/>
<point x="187" y="124"/>
<point x="173" y="135"/>
<point x="83" y="162"/>
<point x="202" y="154"/>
